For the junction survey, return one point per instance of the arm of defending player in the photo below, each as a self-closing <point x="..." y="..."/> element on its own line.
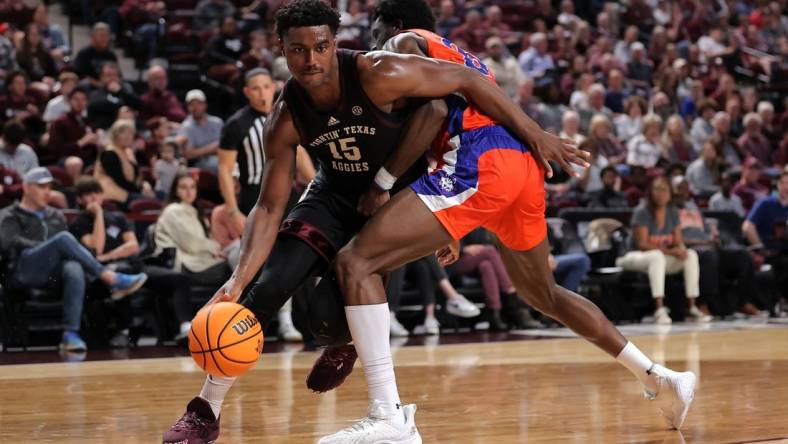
<point x="280" y="140"/>
<point x="395" y="76"/>
<point x="420" y="130"/>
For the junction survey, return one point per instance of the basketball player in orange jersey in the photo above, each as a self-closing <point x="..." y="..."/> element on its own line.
<point x="483" y="175"/>
<point x="347" y="109"/>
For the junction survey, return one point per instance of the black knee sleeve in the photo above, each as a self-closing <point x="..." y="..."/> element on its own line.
<point x="327" y="313"/>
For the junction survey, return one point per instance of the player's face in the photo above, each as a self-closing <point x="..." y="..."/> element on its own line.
<point x="381" y="33"/>
<point x="311" y="54"/>
<point x="260" y="93"/>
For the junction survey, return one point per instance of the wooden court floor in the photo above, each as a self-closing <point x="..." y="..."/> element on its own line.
<point x="558" y="390"/>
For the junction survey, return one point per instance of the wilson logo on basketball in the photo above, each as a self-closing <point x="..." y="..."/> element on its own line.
<point x="245" y="324"/>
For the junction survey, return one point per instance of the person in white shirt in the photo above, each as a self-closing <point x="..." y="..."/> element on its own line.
<point x="503" y="66"/>
<point x="725" y="200"/>
<point x="535" y="61"/>
<point x="630" y="124"/>
<point x="646" y="149"/>
<point x="570" y="127"/>
<point x="59" y="105"/>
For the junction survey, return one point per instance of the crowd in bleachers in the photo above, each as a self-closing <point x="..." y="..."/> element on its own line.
<point x="681" y="104"/>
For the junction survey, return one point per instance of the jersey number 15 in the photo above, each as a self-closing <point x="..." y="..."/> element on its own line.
<point x="348" y="151"/>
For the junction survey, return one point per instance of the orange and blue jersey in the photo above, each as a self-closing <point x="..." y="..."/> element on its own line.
<point x="480" y="173"/>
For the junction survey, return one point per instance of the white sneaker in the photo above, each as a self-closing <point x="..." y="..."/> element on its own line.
<point x="459" y="306"/>
<point x="661" y="316"/>
<point x="396" y="329"/>
<point x="675" y="392"/>
<point x="287" y="330"/>
<point x="377" y="428"/>
<point x="699" y="316"/>
<point x="432" y="326"/>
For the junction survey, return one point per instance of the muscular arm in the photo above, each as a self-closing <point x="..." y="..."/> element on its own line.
<point x="388" y="77"/>
<point x="280" y="140"/>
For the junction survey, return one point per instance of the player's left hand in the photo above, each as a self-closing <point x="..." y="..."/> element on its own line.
<point x="372" y="200"/>
<point x="564" y="152"/>
<point x="449" y="254"/>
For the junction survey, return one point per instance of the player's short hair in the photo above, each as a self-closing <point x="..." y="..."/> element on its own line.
<point x="414" y="14"/>
<point x="87" y="185"/>
<point x="301" y="13"/>
<point x="252" y="73"/>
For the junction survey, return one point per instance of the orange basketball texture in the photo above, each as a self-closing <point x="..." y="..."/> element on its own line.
<point x="225" y="339"/>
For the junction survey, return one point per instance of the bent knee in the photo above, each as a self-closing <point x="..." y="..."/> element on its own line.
<point x="350" y="266"/>
<point x="72" y="269"/>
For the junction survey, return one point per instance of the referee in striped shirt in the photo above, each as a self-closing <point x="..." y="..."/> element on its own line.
<point x="242" y="142"/>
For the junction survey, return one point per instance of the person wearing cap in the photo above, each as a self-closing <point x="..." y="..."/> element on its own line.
<point x="749" y="188"/>
<point x="58" y="105"/>
<point x="200" y="133"/>
<point x="35" y="245"/>
<point x="503" y="66"/>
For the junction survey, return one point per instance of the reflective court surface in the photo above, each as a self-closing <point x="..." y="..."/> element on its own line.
<point x="547" y="390"/>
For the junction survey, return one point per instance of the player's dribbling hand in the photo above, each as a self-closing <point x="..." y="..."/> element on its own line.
<point x="564" y="152"/>
<point x="448" y="254"/>
<point x="229" y="292"/>
<point x="372" y="200"/>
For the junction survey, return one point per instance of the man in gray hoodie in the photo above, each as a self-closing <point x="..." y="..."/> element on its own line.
<point x="37" y="250"/>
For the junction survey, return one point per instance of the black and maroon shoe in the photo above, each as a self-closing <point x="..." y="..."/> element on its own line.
<point x="332" y="368"/>
<point x="196" y="426"/>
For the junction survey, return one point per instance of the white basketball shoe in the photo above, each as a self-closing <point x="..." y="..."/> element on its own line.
<point x="675" y="392"/>
<point x="377" y="428"/>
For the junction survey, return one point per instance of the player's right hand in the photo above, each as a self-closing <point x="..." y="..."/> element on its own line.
<point x="562" y="151"/>
<point x="229" y="292"/>
<point x="372" y="200"/>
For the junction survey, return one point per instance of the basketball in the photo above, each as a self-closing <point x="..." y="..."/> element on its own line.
<point x="225" y="339"/>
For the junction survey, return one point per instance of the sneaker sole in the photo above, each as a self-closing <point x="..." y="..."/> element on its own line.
<point x="461" y="313"/>
<point x="120" y="294"/>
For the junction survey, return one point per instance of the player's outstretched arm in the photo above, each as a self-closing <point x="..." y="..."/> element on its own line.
<point x="394" y="76"/>
<point x="280" y="140"/>
<point x="421" y="128"/>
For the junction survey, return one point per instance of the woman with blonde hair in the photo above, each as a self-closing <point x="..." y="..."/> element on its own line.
<point x="601" y="137"/>
<point x="116" y="168"/>
<point x="677" y="145"/>
<point x="646" y="149"/>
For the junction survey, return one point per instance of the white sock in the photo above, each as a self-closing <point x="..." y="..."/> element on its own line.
<point x="639" y="364"/>
<point x="285" y="319"/>
<point x="369" y="326"/>
<point x="214" y="390"/>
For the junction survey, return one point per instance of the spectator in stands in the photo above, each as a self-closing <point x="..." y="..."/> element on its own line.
<point x="503" y="66"/>
<point x="258" y="55"/>
<point x="208" y="14"/>
<point x="639" y="69"/>
<point x="733" y="108"/>
<point x="58" y="106"/>
<point x="749" y="189"/>
<point x="158" y="101"/>
<point x="753" y="142"/>
<point x="110" y="237"/>
<point x="90" y="59"/>
<point x="471" y="32"/>
<point x="596" y="105"/>
<point x="535" y="61"/>
<point x="117" y="170"/>
<point x="200" y="133"/>
<point x="223" y="53"/>
<point x="770" y="125"/>
<point x="702" y="128"/>
<point x="661" y="105"/>
<point x="570" y="269"/>
<point x="623" y="48"/>
<point x="725" y="200"/>
<point x="528" y="103"/>
<point x="657" y="248"/>
<point x="677" y="145"/>
<point x="17" y="12"/>
<point x="111" y="94"/>
<point x="166" y="168"/>
<point x="704" y="172"/>
<point x="570" y="126"/>
<point x="34" y="239"/>
<point x="726" y="146"/>
<point x="600" y="135"/>
<point x="17" y="103"/>
<point x="51" y="35"/>
<point x="609" y="195"/>
<point x="630" y="124"/>
<point x="14" y="153"/>
<point x="10" y="186"/>
<point x="616" y="93"/>
<point x="34" y="58"/>
<point x="160" y="131"/>
<point x="446" y="20"/>
<point x="718" y="265"/>
<point x="182" y="226"/>
<point x="579" y="97"/>
<point x="766" y="227"/>
<point x="646" y="149"/>
<point x="7" y="59"/>
<point x="71" y="134"/>
<point x="588" y="180"/>
<point x="688" y="104"/>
